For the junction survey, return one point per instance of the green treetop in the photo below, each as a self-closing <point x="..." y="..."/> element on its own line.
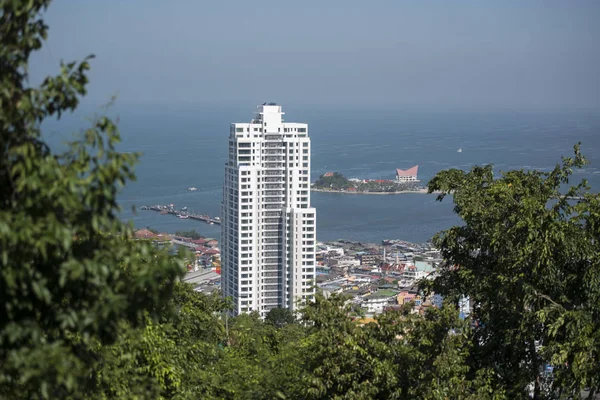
<point x="193" y="234"/>
<point x="529" y="260"/>
<point x="69" y="273"/>
<point x="336" y="181"/>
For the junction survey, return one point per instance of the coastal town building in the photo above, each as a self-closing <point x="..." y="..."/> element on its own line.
<point x="268" y="226"/>
<point x="344" y="261"/>
<point x="374" y="288"/>
<point x="388" y="281"/>
<point x="408" y="175"/>
<point x="330" y="251"/>
<point x="375" y="302"/>
<point x="369" y="259"/>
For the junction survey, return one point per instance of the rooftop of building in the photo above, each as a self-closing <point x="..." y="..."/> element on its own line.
<point x="382" y="294"/>
<point x="201" y="277"/>
<point x="424" y="266"/>
<point x="407" y="172"/>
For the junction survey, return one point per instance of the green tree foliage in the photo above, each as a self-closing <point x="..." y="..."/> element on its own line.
<point x="338" y="355"/>
<point x="201" y="352"/>
<point x="279" y="317"/>
<point x="193" y="234"/>
<point x="400" y="356"/>
<point x="70" y="274"/>
<point x="528" y="258"/>
<point x="172" y="357"/>
<point x="336" y="182"/>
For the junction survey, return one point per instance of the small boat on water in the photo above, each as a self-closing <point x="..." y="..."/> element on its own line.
<point x="211" y="223"/>
<point x="459" y="150"/>
<point x="163" y="212"/>
<point x="192" y="188"/>
<point x="183" y="208"/>
<point x="183" y="216"/>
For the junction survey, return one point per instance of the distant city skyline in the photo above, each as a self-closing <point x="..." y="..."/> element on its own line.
<point x="467" y="54"/>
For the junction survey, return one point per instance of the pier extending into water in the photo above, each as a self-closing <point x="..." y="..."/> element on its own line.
<point x="168" y="210"/>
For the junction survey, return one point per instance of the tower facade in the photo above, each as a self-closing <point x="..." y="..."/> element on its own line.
<point x="268" y="230"/>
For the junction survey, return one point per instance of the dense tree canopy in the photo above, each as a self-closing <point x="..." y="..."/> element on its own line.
<point x="528" y="257"/>
<point x="335" y="181"/>
<point x="280" y="316"/>
<point x="193" y="234"/>
<point x="69" y="272"/>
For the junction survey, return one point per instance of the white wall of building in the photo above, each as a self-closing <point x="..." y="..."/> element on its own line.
<point x="375" y="305"/>
<point x="268" y="232"/>
<point x="464" y="306"/>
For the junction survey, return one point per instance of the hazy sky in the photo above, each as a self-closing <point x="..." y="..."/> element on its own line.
<point x="479" y="53"/>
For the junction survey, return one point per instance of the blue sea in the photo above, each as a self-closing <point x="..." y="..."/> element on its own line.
<point x="187" y="146"/>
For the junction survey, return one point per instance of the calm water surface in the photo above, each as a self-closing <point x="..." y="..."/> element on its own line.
<point x="183" y="148"/>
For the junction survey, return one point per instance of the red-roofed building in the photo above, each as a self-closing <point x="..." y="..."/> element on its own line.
<point x="210" y="242"/>
<point x="328" y="174"/>
<point x="201" y="249"/>
<point x="407" y="175"/>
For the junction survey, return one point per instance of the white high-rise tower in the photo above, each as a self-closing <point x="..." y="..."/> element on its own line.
<point x="268" y="229"/>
